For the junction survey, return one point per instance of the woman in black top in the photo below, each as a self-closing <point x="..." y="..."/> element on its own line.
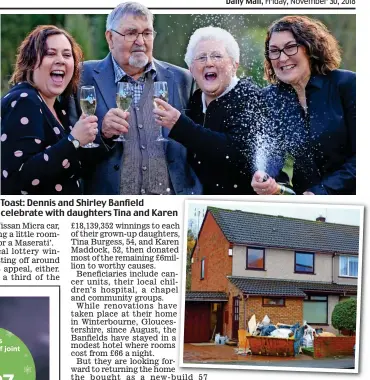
<point x="312" y="107"/>
<point x="222" y="118"/>
<point x="39" y="148"/>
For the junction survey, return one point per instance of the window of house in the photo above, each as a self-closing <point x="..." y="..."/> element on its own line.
<point x="202" y="267"/>
<point x="304" y="262"/>
<point x="348" y="266"/>
<point x="273" y="301"/>
<point x="315" y="309"/>
<point x="256" y="258"/>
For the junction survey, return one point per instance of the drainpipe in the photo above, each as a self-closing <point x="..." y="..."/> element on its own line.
<point x="246" y="296"/>
<point x="332" y="267"/>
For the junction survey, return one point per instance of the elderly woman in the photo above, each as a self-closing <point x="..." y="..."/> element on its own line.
<point x="39" y="148"/>
<point x="222" y="115"/>
<point x="313" y="105"/>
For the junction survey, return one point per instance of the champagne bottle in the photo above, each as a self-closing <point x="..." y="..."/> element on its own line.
<point x="282" y="188"/>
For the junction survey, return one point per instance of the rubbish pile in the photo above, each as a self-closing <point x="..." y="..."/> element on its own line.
<point x="299" y="336"/>
<point x="266" y="328"/>
<point x="219" y="339"/>
<point x="282" y="330"/>
<point x="308" y="336"/>
<point x="256" y="339"/>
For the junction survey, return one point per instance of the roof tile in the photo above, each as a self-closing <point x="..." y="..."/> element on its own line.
<point x="205" y="296"/>
<point x="287" y="288"/>
<point x="248" y="228"/>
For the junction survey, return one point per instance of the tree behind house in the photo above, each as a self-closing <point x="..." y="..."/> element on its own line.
<point x="189" y="249"/>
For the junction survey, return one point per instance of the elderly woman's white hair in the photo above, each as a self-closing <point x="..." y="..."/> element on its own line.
<point x="212" y="33"/>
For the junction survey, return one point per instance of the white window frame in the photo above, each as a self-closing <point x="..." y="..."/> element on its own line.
<point x="341" y="257"/>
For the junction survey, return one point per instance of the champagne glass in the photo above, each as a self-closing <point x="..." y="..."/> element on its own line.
<point x="161" y="92"/>
<point x="88" y="106"/>
<point x="123" y="100"/>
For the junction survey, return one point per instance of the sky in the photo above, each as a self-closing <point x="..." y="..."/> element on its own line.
<point x="350" y="215"/>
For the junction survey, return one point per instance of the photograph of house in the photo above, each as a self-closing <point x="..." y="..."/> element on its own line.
<point x="246" y="263"/>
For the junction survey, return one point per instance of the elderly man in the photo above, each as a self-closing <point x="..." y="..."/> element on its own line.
<point x="140" y="165"/>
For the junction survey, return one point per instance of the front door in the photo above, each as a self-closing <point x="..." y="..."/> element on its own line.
<point x="235" y="317"/>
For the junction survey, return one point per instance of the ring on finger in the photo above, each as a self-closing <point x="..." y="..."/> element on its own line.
<point x="160" y="118"/>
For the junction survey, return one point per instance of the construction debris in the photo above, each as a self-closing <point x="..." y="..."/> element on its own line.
<point x="219" y="339"/>
<point x="269" y="339"/>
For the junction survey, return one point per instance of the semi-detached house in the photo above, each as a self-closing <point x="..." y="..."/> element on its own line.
<point x="291" y="269"/>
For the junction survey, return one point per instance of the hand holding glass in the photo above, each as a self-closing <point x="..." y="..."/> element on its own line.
<point x="123" y="100"/>
<point x="88" y="106"/>
<point x="161" y="92"/>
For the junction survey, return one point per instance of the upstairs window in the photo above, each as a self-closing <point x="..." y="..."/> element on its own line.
<point x="304" y="262"/>
<point x="256" y="258"/>
<point x="348" y="266"/>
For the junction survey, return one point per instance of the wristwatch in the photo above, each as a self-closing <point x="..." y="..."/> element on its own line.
<point x="74" y="141"/>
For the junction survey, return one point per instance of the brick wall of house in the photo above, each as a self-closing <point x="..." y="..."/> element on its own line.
<point x="291" y="313"/>
<point x="333" y="346"/>
<point x="214" y="247"/>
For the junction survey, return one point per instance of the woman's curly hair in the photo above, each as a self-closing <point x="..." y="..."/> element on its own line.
<point x="32" y="51"/>
<point x="321" y="46"/>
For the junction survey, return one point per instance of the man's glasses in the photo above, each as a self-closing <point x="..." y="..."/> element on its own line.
<point x="133" y="36"/>
<point x="213" y="57"/>
<point x="288" y="50"/>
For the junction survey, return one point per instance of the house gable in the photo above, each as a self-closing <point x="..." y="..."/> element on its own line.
<point x="212" y="248"/>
